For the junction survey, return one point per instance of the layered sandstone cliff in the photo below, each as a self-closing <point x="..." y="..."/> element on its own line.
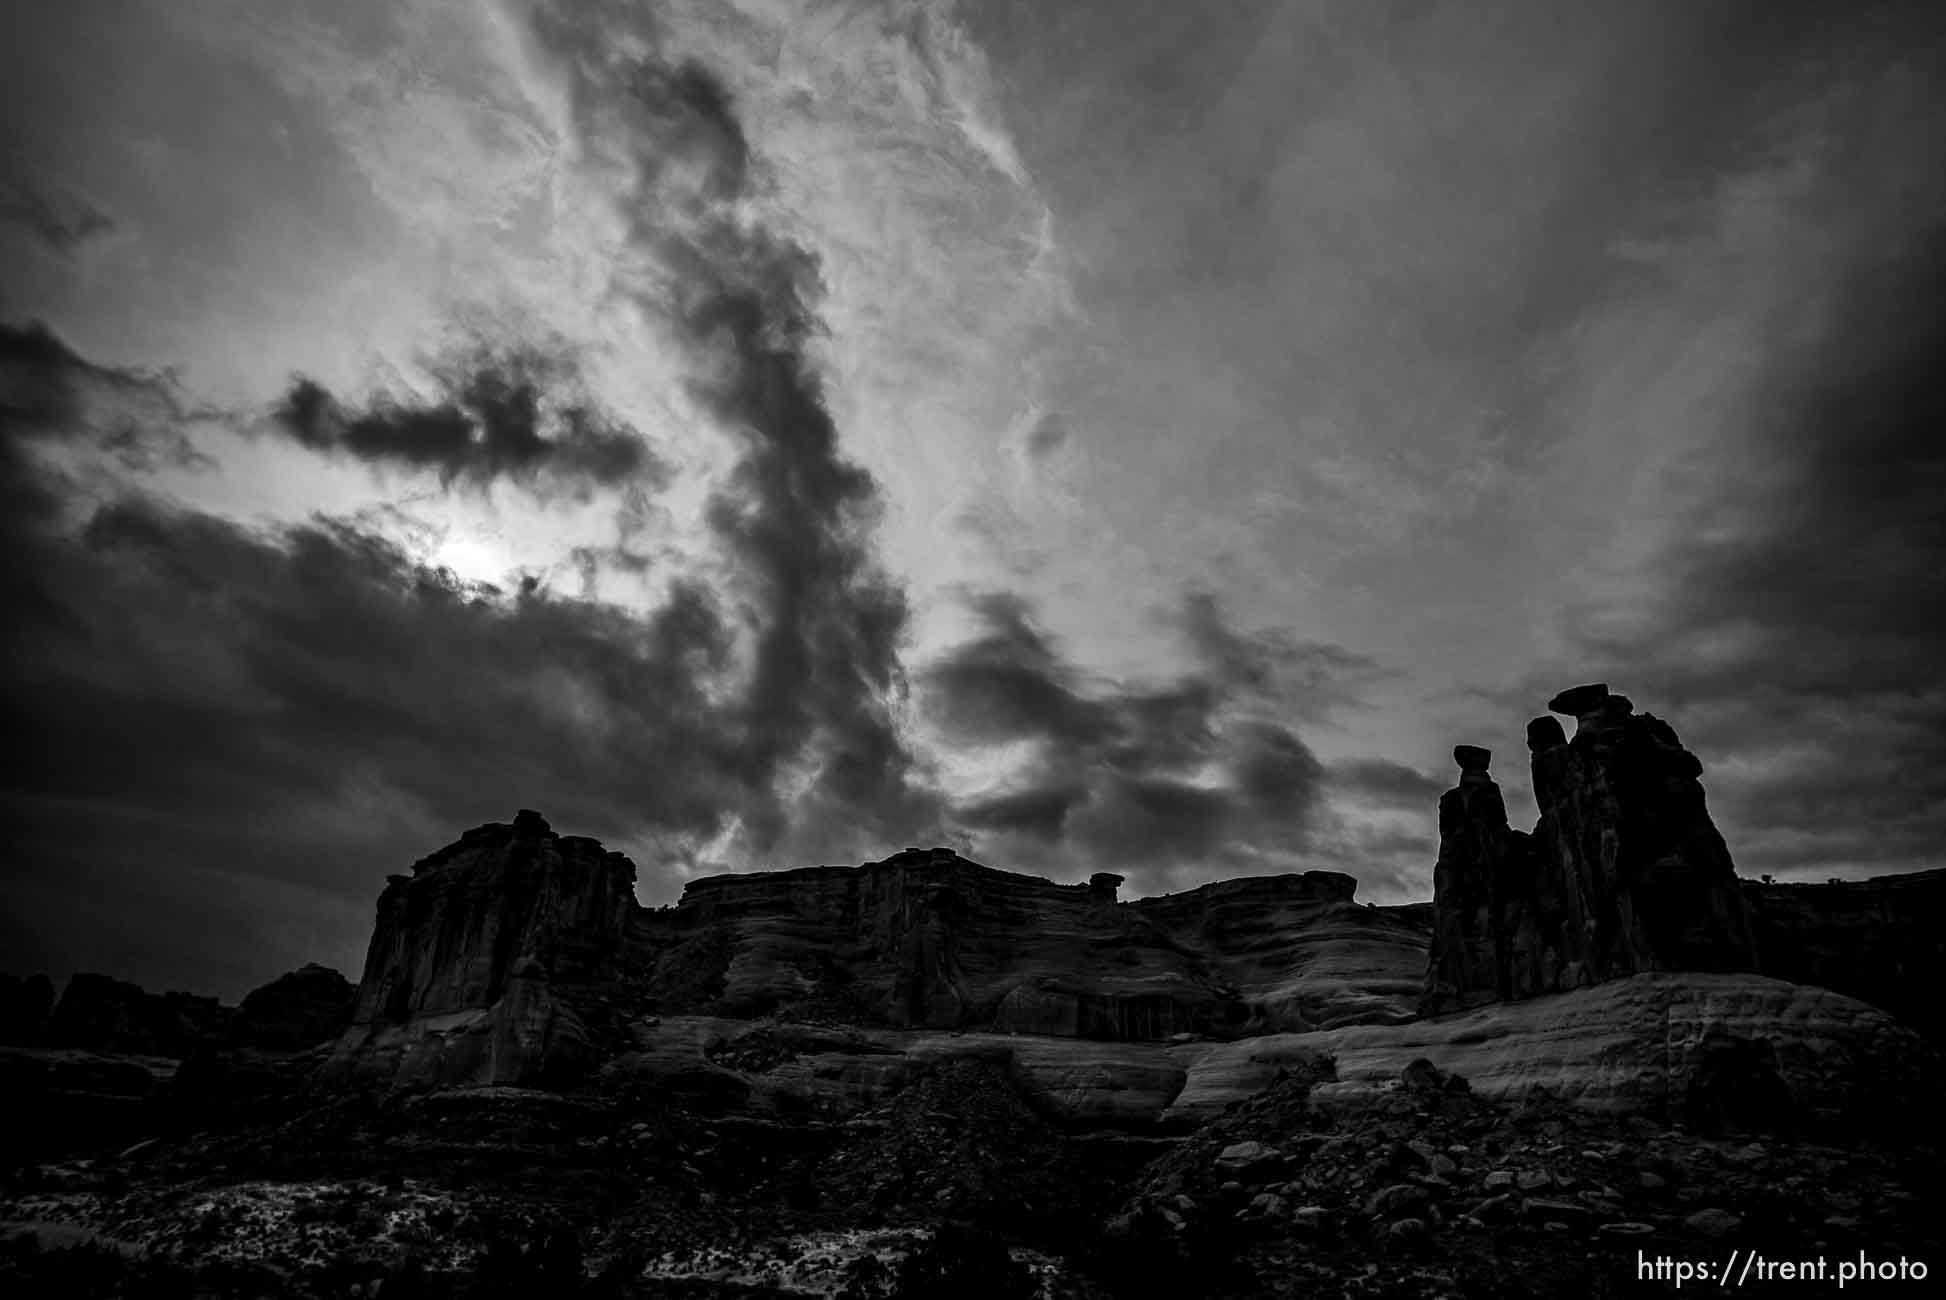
<point x="516" y="955"/>
<point x="495" y="961"/>
<point x="929" y="939"/>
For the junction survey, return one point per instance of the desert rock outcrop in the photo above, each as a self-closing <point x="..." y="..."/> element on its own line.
<point x="493" y="962"/>
<point x="97" y="1013"/>
<point x="1624" y="872"/>
<point x="517" y="954"/>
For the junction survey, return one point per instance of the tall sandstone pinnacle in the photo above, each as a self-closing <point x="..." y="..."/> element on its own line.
<point x="1624" y="873"/>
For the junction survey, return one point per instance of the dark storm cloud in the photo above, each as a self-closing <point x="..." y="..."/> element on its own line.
<point x="306" y="708"/>
<point x="1192" y="772"/>
<point x="1797" y="641"/>
<point x="1310" y="678"/>
<point x="1010" y="683"/>
<point x="45" y="384"/>
<point x="1386" y="783"/>
<point x="500" y="416"/>
<point x="49" y="394"/>
<point x="795" y="514"/>
<point x="282" y="715"/>
<point x="60" y="219"/>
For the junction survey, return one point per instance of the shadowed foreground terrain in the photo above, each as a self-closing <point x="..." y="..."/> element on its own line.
<point x="1595" y="1049"/>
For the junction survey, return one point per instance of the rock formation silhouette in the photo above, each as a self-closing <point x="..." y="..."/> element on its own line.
<point x="1624" y="872"/>
<point x="1610" y="953"/>
<point x="489" y="962"/>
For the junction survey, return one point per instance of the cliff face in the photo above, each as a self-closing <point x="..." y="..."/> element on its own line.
<point x="927" y="939"/>
<point x="516" y="955"/>
<point x="492" y="963"/>
<point x="1300" y="950"/>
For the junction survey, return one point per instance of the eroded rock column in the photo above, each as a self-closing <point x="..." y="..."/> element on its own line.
<point x="1644" y="879"/>
<point x="1478" y="859"/>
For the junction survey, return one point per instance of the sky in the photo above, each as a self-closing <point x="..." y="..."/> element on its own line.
<point x="1100" y="435"/>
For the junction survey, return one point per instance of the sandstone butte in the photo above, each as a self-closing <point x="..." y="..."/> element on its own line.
<point x="1610" y="955"/>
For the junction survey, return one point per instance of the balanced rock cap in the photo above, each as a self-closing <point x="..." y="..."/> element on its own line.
<point x="1579" y="701"/>
<point x="1472" y="758"/>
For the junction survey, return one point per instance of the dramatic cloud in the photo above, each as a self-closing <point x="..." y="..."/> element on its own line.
<point x="795" y="514"/>
<point x="1511" y="351"/>
<point x="1384" y="783"/>
<point x="50" y="396"/>
<point x="262" y="704"/>
<point x="189" y="697"/>
<point x="1172" y="781"/>
<point x="1798" y="623"/>
<point x="502" y="416"/>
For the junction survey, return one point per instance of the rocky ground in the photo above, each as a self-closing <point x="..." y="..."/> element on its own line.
<point x="955" y="1186"/>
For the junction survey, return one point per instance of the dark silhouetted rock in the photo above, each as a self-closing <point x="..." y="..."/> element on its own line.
<point x="26" y="1003"/>
<point x="1472" y="758"/>
<point x="1647" y="881"/>
<point x="1579" y="701"/>
<point x="279" y="1037"/>
<point x="1624" y="872"/>
<point x="932" y="940"/>
<point x="1481" y="886"/>
<point x="489" y="962"/>
<point x="100" y="1014"/>
<point x="1882" y="941"/>
<point x="1545" y="732"/>
<point x="308" y="1006"/>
